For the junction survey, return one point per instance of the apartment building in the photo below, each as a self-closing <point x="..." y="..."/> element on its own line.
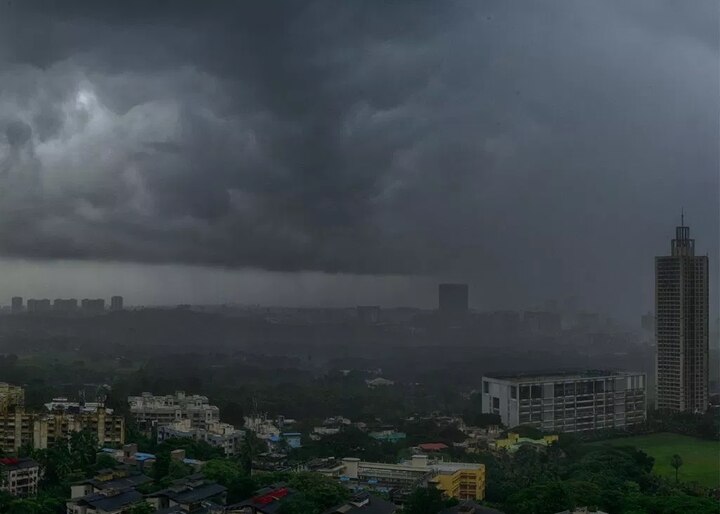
<point x="11" y="397"/>
<point x="220" y="435"/>
<point x="593" y="400"/>
<point x="40" y="430"/>
<point x="148" y="409"/>
<point x="20" y="477"/>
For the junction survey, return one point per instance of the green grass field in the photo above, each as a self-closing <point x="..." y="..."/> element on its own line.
<point x="701" y="458"/>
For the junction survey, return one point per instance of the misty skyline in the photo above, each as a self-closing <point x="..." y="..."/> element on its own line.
<point x="340" y="153"/>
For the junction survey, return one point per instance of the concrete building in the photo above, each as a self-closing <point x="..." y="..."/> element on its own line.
<point x="453" y="299"/>
<point x="93" y="306"/>
<point x="567" y="402"/>
<point x="148" y="409"/>
<point x="40" y="430"/>
<point x="682" y="326"/>
<point x="19" y="477"/>
<point x="220" y="435"/>
<point x="458" y="480"/>
<point x="35" y="305"/>
<point x="62" y="404"/>
<point x="16" y="304"/>
<point x="110" y="492"/>
<point x="11" y="397"/>
<point x="116" y="303"/>
<point x="65" y="305"/>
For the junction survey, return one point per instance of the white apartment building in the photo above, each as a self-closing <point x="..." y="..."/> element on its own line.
<point x="219" y="435"/>
<point x="148" y="409"/>
<point x="567" y="402"/>
<point x="20" y="477"/>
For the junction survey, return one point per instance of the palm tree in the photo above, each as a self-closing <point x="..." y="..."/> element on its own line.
<point x="676" y="461"/>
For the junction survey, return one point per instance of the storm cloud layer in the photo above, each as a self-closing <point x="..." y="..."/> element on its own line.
<point x="522" y="145"/>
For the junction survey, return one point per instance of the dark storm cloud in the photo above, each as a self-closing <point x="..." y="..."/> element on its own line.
<point x="527" y="141"/>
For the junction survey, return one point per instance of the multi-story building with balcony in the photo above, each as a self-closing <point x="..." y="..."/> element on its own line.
<point x="20" y="477"/>
<point x="148" y="409"/>
<point x="593" y="400"/>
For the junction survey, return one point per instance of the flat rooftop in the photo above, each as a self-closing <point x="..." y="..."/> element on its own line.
<point x="559" y="376"/>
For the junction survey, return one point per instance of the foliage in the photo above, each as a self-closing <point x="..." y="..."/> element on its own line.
<point x="676" y="461"/>
<point x="426" y="500"/>
<point x="231" y="475"/>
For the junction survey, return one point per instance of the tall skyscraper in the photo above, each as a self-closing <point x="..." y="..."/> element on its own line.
<point x="116" y="303"/>
<point x="681" y="330"/>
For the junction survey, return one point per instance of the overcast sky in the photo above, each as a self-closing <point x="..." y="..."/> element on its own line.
<point x="355" y="152"/>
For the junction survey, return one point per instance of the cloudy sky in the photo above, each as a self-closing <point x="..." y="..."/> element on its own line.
<point x="329" y="152"/>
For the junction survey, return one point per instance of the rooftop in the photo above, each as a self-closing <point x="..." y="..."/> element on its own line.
<point x="107" y="503"/>
<point x="557" y="376"/>
<point x="364" y="503"/>
<point x="11" y="463"/>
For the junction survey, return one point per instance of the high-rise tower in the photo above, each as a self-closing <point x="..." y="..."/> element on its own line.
<point x="681" y="330"/>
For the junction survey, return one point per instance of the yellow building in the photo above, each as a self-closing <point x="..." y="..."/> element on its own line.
<point x="40" y="430"/>
<point x="460" y="480"/>
<point x="11" y="397"/>
<point x="513" y="441"/>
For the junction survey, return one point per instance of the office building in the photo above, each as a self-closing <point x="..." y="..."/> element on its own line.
<point x="65" y="305"/>
<point x="93" y="306"/>
<point x="20" y="477"/>
<point x="116" y="303"/>
<point x="567" y="402"/>
<point x="16" y="304"/>
<point x="35" y="305"/>
<point x="682" y="326"/>
<point x="148" y="409"/>
<point x="453" y="299"/>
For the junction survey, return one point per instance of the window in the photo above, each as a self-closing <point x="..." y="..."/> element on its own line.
<point x="486" y="387"/>
<point x="496" y="403"/>
<point x="513" y="392"/>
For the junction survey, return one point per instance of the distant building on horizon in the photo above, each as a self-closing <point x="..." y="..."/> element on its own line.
<point x="65" y="305"/>
<point x="116" y="303"/>
<point x="453" y="299"/>
<point x="682" y="326"/>
<point x="16" y="304"/>
<point x="368" y="314"/>
<point x="35" y="305"/>
<point x="93" y="306"/>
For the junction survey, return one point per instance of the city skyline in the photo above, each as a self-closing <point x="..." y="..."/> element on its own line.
<point x="376" y="155"/>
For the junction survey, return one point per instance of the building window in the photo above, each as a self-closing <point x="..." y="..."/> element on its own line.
<point x="486" y="387"/>
<point x="513" y="392"/>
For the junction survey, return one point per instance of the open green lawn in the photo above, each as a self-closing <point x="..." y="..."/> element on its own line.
<point x="701" y="458"/>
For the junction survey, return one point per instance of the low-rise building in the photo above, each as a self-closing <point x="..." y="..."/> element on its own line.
<point x="513" y="441"/>
<point x="456" y="479"/>
<point x="62" y="404"/>
<point x="268" y="500"/>
<point x="189" y="494"/>
<point x="19" y="477"/>
<point x="563" y="402"/>
<point x="109" y="492"/>
<point x="220" y="435"/>
<point x="364" y="503"/>
<point x="460" y="480"/>
<point x="148" y="409"/>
